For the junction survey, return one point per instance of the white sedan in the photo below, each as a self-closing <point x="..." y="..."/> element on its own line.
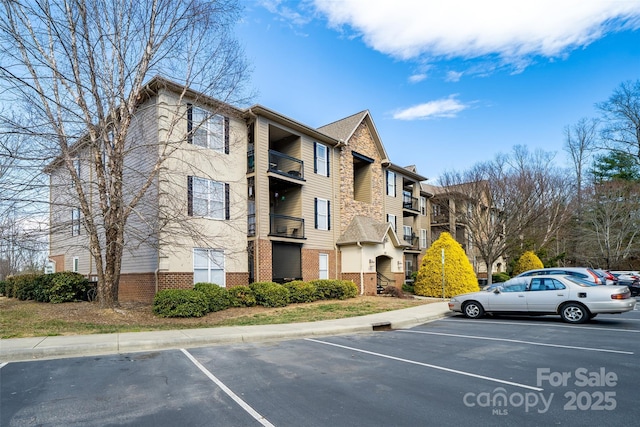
<point x="574" y="299"/>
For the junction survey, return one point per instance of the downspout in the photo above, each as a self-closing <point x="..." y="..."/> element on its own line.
<point x="361" y="268"/>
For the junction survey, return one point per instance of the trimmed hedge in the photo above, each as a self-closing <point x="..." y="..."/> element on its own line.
<point x="241" y="296"/>
<point x="300" y="291"/>
<point x="335" y="289"/>
<point x="270" y="294"/>
<point x="55" y="288"/>
<point x="180" y="303"/>
<point x="217" y="297"/>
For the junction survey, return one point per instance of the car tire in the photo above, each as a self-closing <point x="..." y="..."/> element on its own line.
<point x="473" y="310"/>
<point x="574" y="313"/>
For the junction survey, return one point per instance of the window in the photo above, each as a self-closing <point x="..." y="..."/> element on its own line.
<point x="391" y="184"/>
<point x="321" y="159"/>
<point x="76" y="166"/>
<point x="208" y="266"/>
<point x="207" y="130"/>
<point x="323" y="220"/>
<point x="406" y="229"/>
<point x="323" y="269"/>
<point x="76" y="264"/>
<point x="423" y="238"/>
<point x="208" y="198"/>
<point x="75" y="222"/>
<point x="423" y="205"/>
<point x="392" y="220"/>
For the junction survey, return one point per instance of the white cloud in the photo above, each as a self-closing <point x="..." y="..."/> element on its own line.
<point x="453" y="76"/>
<point x="416" y="78"/>
<point x="446" y="107"/>
<point x="510" y="29"/>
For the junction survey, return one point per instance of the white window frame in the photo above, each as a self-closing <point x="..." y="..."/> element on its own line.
<point x="322" y="159"/>
<point x="208" y="198"/>
<point x="423" y="206"/>
<point x="392" y="219"/>
<point x="406" y="228"/>
<point x="75" y="266"/>
<point x="391" y="183"/>
<point x="76" y="215"/>
<point x="423" y="238"/>
<point x="207" y="129"/>
<point x="207" y="268"/>
<point x="323" y="266"/>
<point x="322" y="214"/>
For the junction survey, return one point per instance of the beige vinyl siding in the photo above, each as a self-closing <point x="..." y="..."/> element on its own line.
<point x="141" y="242"/>
<point x="191" y="160"/>
<point x="261" y="178"/>
<point x="323" y="187"/>
<point x="393" y="205"/>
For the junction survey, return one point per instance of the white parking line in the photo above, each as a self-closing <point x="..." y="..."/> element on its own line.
<point x="244" y="405"/>
<point x="555" y="325"/>
<point x="441" y="368"/>
<point x="475" y="337"/>
<point x="2" y="365"/>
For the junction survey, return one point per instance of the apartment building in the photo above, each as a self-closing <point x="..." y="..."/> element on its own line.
<point x="249" y="195"/>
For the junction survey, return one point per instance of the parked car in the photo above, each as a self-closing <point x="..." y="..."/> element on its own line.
<point x="575" y="300"/>
<point x="630" y="279"/>
<point x="581" y="272"/>
<point x="608" y="278"/>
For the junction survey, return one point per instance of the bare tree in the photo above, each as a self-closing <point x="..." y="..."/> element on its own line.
<point x="621" y="117"/>
<point x="517" y="201"/>
<point x="77" y="69"/>
<point x="611" y="226"/>
<point x="580" y="143"/>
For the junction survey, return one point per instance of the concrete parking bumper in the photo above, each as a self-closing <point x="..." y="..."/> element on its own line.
<point x="23" y="349"/>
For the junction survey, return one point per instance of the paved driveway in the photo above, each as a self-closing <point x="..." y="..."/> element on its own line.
<point x="504" y="371"/>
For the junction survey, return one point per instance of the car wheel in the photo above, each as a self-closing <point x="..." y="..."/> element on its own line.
<point x="473" y="310"/>
<point x="574" y="313"/>
<point x="592" y="315"/>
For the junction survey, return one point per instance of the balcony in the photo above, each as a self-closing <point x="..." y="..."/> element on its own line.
<point x="286" y="226"/>
<point x="285" y="165"/>
<point x="412" y="239"/>
<point x="410" y="203"/>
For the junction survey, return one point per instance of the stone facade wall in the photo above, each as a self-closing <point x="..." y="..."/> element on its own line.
<point x="59" y="260"/>
<point x="361" y="142"/>
<point x="263" y="270"/>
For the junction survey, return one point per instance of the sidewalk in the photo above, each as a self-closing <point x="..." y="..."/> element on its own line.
<point x="24" y="349"/>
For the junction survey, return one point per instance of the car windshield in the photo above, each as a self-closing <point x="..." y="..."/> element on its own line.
<point x="580" y="282"/>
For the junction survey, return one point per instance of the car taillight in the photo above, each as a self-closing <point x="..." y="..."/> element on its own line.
<point x="596" y="278"/>
<point x="625" y="295"/>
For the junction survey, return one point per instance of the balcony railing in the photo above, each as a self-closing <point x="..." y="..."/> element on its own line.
<point x="285" y="165"/>
<point x="412" y="239"/>
<point x="410" y="203"/>
<point x="286" y="226"/>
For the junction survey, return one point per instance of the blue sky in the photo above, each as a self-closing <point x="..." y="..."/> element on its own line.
<point x="448" y="82"/>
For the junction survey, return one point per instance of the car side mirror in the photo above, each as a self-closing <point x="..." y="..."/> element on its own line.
<point x="496" y="291"/>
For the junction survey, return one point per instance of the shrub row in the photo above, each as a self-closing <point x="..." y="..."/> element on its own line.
<point x="55" y="288"/>
<point x="208" y="297"/>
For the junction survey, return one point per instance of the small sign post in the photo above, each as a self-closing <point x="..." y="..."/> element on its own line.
<point x="442" y="273"/>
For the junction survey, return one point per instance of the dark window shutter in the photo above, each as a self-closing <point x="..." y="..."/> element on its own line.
<point x="190" y="195"/>
<point x="315" y="157"/>
<point x="227" y="210"/>
<point x="189" y="123"/>
<point x="328" y="215"/>
<point x="328" y="163"/>
<point x="316" y="212"/>
<point x="226" y="136"/>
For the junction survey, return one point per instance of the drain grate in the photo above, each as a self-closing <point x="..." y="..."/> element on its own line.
<point x="382" y="326"/>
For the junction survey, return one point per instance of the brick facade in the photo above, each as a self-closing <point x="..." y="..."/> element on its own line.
<point x="138" y="287"/>
<point x="311" y="263"/>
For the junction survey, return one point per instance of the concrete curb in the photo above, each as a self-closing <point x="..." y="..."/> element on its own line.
<point x="40" y="348"/>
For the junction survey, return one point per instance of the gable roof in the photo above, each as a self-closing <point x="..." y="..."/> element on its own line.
<point x="344" y="129"/>
<point x="363" y="229"/>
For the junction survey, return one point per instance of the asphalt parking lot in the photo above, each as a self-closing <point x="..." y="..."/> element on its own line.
<point x="491" y="371"/>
